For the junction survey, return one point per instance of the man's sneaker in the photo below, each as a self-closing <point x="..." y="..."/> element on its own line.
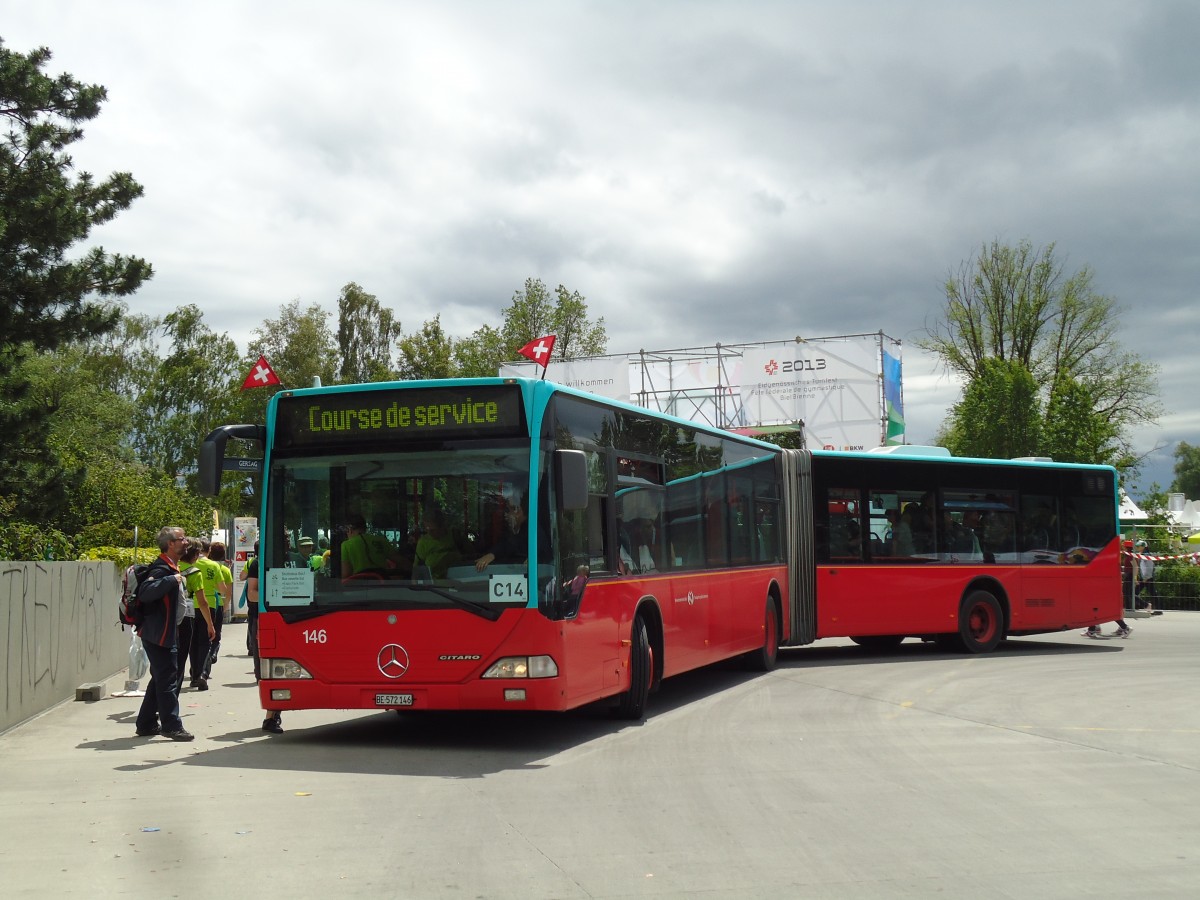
<point x="273" y="724"/>
<point x="181" y="735"/>
<point x="1122" y="632"/>
<point x="153" y="732"/>
<point x="1092" y="632"/>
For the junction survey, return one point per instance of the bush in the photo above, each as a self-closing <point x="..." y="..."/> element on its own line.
<point x="24" y="541"/>
<point x="122" y="556"/>
<point x="1177" y="584"/>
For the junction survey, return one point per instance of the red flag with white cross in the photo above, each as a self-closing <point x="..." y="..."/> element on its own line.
<point x="539" y="350"/>
<point x="261" y="375"/>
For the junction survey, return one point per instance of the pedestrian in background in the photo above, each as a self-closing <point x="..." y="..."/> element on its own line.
<point x="218" y="588"/>
<point x="1146" y="596"/>
<point x="196" y="631"/>
<point x="273" y="721"/>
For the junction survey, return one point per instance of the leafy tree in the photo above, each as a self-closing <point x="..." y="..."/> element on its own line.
<point x="298" y="345"/>
<point x="365" y="334"/>
<point x="1187" y="470"/>
<point x="46" y="298"/>
<point x="110" y="491"/>
<point x="999" y="415"/>
<point x="1073" y="432"/>
<point x="1016" y="304"/>
<point x="189" y="393"/>
<point x="533" y="313"/>
<point x="575" y="335"/>
<point x="427" y="353"/>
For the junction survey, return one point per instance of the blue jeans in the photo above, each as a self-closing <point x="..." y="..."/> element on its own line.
<point x="161" y="703"/>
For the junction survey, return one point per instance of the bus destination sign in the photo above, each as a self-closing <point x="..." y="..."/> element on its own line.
<point x="415" y="414"/>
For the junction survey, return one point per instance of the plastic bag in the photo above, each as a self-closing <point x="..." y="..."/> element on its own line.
<point x="139" y="663"/>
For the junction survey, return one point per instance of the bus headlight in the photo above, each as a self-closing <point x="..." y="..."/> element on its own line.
<point x="282" y="668"/>
<point x="523" y="667"/>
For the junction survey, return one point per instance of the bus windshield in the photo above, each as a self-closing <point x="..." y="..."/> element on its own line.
<point x="420" y="529"/>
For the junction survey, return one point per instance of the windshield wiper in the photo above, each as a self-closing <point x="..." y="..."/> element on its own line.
<point x="487" y="612"/>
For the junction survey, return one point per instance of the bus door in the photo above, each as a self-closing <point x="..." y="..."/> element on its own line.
<point x="588" y="575"/>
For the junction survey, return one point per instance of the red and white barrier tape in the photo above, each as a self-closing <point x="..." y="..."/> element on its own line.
<point x="1130" y="553"/>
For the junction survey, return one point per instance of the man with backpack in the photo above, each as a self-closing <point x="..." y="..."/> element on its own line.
<point x="161" y="599"/>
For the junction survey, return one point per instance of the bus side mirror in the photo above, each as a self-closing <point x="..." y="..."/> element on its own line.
<point x="572" y="480"/>
<point x="212" y="453"/>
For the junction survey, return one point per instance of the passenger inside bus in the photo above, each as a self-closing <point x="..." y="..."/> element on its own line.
<point x="513" y="545"/>
<point x="363" y="551"/>
<point x="436" y="549"/>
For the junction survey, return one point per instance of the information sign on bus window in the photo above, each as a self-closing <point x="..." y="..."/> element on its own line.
<point x="420" y="414"/>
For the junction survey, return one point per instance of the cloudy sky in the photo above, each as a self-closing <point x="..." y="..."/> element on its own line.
<point x="699" y="171"/>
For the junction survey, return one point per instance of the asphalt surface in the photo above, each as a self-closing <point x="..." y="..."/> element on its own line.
<point x="1056" y="767"/>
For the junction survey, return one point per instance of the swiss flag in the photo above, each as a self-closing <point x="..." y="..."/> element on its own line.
<point x="261" y="375"/>
<point x="539" y="350"/>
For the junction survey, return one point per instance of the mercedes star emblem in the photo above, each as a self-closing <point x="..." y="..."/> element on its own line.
<point x="393" y="661"/>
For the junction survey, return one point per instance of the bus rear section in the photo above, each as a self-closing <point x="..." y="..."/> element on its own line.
<point x="966" y="552"/>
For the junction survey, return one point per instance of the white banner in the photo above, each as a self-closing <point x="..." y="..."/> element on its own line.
<point x="607" y="377"/>
<point x="833" y="388"/>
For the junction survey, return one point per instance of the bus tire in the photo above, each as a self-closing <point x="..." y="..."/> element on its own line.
<point x="763" y="659"/>
<point x="632" y="703"/>
<point x="879" y="642"/>
<point x="980" y="622"/>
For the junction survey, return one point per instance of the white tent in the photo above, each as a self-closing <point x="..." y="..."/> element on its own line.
<point x="1130" y="511"/>
<point x="1186" y="519"/>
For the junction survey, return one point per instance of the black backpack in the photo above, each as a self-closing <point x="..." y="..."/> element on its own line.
<point x="129" y="610"/>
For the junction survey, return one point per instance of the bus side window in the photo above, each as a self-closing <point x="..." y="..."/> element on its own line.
<point x="716" y="541"/>
<point x="845" y="527"/>
<point x="741" y="519"/>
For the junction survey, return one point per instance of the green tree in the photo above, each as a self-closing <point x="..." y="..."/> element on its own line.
<point x="1187" y="470"/>
<point x="1017" y="304"/>
<point x="48" y="298"/>
<point x="189" y="392"/>
<point x="299" y="346"/>
<point x="532" y="313"/>
<point x="109" y="491"/>
<point x="365" y="334"/>
<point x="480" y="355"/>
<point x="428" y="353"/>
<point x="999" y="415"/>
<point x="1072" y="431"/>
<point x="576" y="335"/>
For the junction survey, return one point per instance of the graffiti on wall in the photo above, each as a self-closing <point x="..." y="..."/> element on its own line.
<point x="59" y="621"/>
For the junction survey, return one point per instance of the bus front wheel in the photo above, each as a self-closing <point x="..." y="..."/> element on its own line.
<point x="980" y="622"/>
<point x="632" y="703"/>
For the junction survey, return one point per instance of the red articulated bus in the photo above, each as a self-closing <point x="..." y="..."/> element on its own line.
<point x="516" y="544"/>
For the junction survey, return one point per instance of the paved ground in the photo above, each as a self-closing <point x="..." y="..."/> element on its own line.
<point x="1056" y="767"/>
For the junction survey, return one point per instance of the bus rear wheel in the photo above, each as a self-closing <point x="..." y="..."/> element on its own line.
<point x="980" y="622"/>
<point x="632" y="703"/>
<point x="763" y="659"/>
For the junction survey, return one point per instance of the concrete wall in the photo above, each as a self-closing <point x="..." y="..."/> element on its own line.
<point x="59" y="622"/>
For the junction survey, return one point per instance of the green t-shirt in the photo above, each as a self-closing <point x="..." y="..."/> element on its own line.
<point x="437" y="553"/>
<point x="194" y="582"/>
<point x="215" y="575"/>
<point x="366" y="551"/>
